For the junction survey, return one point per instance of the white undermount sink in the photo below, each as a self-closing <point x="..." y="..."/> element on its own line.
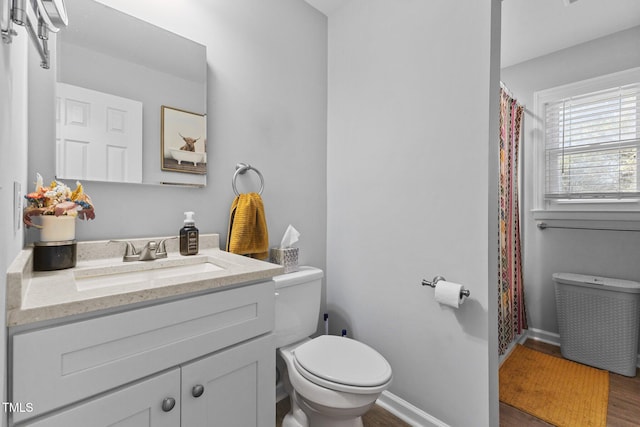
<point x="143" y="272"/>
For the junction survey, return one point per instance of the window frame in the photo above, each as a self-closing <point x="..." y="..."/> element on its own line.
<point x="576" y="209"/>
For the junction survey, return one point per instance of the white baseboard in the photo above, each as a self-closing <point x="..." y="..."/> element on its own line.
<point x="544" y="336"/>
<point x="407" y="412"/>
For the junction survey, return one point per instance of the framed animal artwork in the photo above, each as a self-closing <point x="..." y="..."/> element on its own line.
<point x="184" y="141"/>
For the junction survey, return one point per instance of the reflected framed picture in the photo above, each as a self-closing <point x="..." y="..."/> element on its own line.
<point x="184" y="141"/>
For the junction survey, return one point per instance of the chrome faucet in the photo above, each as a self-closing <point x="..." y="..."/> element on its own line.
<point x="149" y="252"/>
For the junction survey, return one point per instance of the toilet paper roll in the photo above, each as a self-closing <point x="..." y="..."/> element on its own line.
<point x="448" y="293"/>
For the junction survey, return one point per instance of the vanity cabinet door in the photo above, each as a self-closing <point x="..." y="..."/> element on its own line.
<point x="232" y="388"/>
<point x="146" y="403"/>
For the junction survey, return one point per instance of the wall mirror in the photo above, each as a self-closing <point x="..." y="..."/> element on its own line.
<point x="115" y="76"/>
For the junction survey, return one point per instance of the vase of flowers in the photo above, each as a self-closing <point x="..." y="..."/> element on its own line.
<point x="57" y="207"/>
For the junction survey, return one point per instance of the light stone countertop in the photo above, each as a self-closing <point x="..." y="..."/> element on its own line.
<point x="34" y="296"/>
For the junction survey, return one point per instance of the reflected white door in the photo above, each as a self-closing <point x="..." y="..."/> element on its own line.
<point x="99" y="136"/>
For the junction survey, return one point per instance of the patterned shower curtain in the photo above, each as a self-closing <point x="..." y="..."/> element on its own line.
<point x="512" y="317"/>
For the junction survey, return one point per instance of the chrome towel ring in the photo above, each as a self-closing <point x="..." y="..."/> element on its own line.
<point x="241" y="169"/>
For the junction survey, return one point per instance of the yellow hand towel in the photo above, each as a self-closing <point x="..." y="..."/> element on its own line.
<point x="248" y="233"/>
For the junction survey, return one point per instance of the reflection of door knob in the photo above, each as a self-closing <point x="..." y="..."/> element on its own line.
<point x="168" y="403"/>
<point x="197" y="390"/>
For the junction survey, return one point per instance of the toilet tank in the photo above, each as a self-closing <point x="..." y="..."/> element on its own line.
<point x="297" y="305"/>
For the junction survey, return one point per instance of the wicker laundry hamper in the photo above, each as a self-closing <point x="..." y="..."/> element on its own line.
<point x="599" y="319"/>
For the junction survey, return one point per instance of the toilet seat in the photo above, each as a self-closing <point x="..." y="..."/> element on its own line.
<point x="342" y="364"/>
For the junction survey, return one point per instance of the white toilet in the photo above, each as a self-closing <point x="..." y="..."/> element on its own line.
<point x="332" y="381"/>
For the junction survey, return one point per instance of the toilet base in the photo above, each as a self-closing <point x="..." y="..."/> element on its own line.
<point x="295" y="417"/>
<point x="304" y="414"/>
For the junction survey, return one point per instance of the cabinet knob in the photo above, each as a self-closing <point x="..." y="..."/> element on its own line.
<point x="168" y="403"/>
<point x="197" y="390"/>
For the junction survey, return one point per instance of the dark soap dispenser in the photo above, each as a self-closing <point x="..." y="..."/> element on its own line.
<point x="189" y="238"/>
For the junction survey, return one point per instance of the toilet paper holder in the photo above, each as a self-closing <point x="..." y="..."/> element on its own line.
<point x="432" y="283"/>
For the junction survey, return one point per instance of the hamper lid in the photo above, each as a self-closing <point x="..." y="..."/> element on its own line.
<point x="597" y="282"/>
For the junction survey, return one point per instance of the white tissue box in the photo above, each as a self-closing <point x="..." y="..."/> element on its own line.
<point x="287" y="257"/>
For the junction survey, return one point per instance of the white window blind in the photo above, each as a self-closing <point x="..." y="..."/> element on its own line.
<point x="592" y="143"/>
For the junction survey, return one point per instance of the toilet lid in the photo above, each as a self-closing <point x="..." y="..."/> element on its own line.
<point x="344" y="361"/>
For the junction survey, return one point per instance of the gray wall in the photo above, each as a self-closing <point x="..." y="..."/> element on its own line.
<point x="604" y="253"/>
<point x="412" y="157"/>
<point x="267" y="97"/>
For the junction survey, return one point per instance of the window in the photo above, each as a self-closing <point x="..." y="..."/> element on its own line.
<point x="591" y="145"/>
<point x="588" y="156"/>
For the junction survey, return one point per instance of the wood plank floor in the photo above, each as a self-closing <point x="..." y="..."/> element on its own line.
<point x="623" y="410"/>
<point x="624" y="399"/>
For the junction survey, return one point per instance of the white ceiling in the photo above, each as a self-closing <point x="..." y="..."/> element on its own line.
<point x="531" y="28"/>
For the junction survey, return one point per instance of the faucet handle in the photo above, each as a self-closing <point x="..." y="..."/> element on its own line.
<point x="130" y="253"/>
<point x="161" y="251"/>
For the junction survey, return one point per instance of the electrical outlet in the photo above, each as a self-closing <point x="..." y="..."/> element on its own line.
<point x="17" y="206"/>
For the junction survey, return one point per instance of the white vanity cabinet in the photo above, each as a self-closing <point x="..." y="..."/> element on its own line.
<point x="211" y="355"/>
